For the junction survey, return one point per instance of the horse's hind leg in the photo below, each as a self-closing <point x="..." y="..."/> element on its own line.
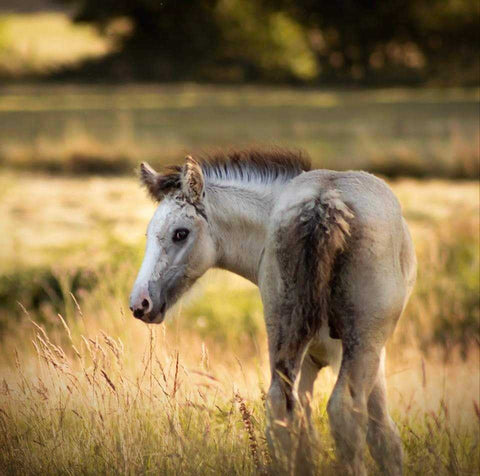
<point x="347" y="407"/>
<point x="290" y="430"/>
<point x="282" y="401"/>
<point x="382" y="435"/>
<point x="307" y="437"/>
<point x="310" y="369"/>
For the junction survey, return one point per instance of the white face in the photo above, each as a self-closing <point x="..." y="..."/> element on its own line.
<point x="179" y="250"/>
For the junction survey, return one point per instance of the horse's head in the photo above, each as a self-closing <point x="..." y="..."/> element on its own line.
<point x="179" y="245"/>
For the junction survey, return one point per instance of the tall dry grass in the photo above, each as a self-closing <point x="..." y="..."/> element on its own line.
<point x="96" y="405"/>
<point x="85" y="388"/>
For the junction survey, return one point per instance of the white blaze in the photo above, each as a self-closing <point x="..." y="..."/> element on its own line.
<point x="154" y="260"/>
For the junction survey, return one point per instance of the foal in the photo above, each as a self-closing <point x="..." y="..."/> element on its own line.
<point x="335" y="265"/>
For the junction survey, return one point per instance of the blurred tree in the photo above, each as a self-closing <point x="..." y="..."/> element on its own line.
<point x="277" y="40"/>
<point x="396" y="40"/>
<point x="221" y="40"/>
<point x="162" y="38"/>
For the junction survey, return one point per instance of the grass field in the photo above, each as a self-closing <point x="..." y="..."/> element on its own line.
<point x="67" y="129"/>
<point x="87" y="389"/>
<point x="111" y="395"/>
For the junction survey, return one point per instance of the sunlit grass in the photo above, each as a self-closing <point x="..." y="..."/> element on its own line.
<point x="73" y="130"/>
<point x="23" y="98"/>
<point x="59" y="226"/>
<point x="110" y="394"/>
<point x="149" y="403"/>
<point x="44" y="42"/>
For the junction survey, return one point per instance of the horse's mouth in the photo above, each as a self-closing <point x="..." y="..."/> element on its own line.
<point x="160" y="316"/>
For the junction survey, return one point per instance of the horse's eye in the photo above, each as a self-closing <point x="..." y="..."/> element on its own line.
<point x="180" y="234"/>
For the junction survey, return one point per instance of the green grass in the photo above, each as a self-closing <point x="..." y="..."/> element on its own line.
<point x="81" y="130"/>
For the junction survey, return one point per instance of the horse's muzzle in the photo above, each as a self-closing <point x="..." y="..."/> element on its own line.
<point x="146" y="310"/>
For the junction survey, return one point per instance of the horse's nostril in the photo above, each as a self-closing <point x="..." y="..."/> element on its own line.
<point x="144" y="303"/>
<point x="138" y="313"/>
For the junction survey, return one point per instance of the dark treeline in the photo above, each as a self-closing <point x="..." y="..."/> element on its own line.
<point x="308" y="41"/>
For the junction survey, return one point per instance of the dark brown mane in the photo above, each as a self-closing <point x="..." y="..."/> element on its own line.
<point x="263" y="165"/>
<point x="244" y="165"/>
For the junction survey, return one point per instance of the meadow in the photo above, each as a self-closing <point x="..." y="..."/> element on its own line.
<point x="69" y="129"/>
<point x="87" y="389"/>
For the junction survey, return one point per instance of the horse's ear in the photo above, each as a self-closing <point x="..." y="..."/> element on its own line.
<point x="192" y="180"/>
<point x="151" y="180"/>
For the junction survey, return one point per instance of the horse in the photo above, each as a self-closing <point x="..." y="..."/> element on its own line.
<point x="334" y="261"/>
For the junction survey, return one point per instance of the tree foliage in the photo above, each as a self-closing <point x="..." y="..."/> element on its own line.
<point x="342" y="41"/>
<point x="397" y="39"/>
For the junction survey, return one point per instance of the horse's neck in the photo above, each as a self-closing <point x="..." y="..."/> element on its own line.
<point x="238" y="217"/>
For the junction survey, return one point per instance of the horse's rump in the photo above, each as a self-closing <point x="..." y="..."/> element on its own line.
<point x="308" y="244"/>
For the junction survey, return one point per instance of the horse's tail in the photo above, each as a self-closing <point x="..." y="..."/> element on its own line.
<point x="307" y="257"/>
